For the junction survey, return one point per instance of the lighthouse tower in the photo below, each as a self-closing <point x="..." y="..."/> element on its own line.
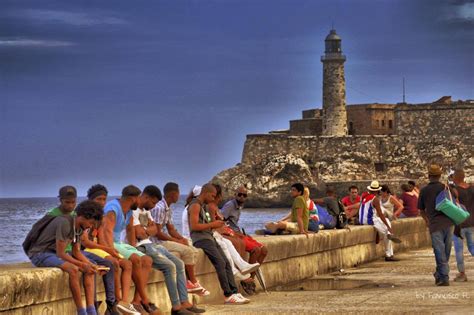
<point x="334" y="88"/>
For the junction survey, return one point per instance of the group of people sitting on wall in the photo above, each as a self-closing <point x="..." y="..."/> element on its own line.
<point x="123" y="239"/>
<point x="378" y="207"/>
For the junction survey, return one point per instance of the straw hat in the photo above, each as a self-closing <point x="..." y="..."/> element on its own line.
<point x="374" y="186"/>
<point x="434" y="170"/>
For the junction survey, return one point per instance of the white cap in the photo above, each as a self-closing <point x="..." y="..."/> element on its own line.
<point x="197" y="190"/>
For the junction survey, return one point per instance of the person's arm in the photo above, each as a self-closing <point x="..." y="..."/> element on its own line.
<point x="131" y="236"/>
<point x="106" y="233"/>
<point x="397" y="205"/>
<point x="287" y="217"/>
<point x="422" y="208"/>
<point x="376" y="204"/>
<point x="353" y="206"/>
<point x="194" y="224"/>
<point x="93" y="245"/>
<point x="319" y="201"/>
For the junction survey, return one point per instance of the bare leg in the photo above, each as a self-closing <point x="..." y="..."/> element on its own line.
<point x="89" y="288"/>
<point x="141" y="267"/>
<point x="190" y="273"/>
<point x="74" y="283"/>
<point x="126" y="278"/>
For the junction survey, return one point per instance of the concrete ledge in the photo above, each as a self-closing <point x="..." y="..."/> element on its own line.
<point x="28" y="290"/>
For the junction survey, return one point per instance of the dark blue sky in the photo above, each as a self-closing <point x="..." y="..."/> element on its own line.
<point x="147" y="92"/>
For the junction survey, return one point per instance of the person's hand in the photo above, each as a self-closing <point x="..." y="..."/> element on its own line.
<point x="390" y="230"/>
<point x="217" y="224"/>
<point x="113" y="252"/>
<point x="89" y="268"/>
<point x="305" y="233"/>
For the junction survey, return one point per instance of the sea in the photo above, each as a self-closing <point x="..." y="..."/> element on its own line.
<point x="17" y="215"/>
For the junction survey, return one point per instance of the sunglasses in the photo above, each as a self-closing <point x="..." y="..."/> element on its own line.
<point x="242" y="195"/>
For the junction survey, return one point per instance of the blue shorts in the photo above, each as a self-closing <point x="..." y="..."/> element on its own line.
<point x="47" y="259"/>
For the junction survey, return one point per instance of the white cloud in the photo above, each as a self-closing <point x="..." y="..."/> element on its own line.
<point x="24" y="42"/>
<point x="66" y="17"/>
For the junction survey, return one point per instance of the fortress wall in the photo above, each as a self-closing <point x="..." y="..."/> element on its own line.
<point x="435" y="120"/>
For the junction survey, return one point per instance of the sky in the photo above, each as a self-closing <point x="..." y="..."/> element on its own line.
<point x="147" y="92"/>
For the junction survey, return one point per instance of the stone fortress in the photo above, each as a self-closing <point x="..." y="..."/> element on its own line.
<point x="341" y="145"/>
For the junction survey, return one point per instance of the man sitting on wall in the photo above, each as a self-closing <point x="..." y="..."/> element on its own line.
<point x="296" y="222"/>
<point x="351" y="203"/>
<point x="48" y="249"/>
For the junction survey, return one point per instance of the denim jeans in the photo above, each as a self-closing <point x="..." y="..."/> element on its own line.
<point x="313" y="226"/>
<point x="441" y="241"/>
<point x="467" y="234"/>
<point x="172" y="268"/>
<point x="108" y="278"/>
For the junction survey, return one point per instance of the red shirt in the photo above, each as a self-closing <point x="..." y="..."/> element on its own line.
<point x="346" y="201"/>
<point x="410" y="205"/>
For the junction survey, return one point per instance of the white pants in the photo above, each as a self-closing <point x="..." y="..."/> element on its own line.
<point x="383" y="230"/>
<point x="231" y="253"/>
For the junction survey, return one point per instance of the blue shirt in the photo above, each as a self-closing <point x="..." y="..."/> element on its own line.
<point x="121" y="221"/>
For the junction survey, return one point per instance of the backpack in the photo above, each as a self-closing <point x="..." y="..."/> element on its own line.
<point x="35" y="232"/>
<point x="341" y="219"/>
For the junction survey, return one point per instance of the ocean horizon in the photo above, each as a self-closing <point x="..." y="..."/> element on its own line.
<point x="17" y="215"/>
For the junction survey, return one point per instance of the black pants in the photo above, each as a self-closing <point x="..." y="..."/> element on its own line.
<point x="222" y="265"/>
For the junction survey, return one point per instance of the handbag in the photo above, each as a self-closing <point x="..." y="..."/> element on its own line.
<point x="445" y="203"/>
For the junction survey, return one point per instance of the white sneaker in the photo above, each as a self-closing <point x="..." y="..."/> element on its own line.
<point x="251" y="268"/>
<point x="240" y="277"/>
<point x="235" y="300"/>
<point x="125" y="308"/>
<point x="243" y="298"/>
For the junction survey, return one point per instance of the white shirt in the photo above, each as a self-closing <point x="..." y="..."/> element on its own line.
<point x="142" y="217"/>
<point x="185" y="224"/>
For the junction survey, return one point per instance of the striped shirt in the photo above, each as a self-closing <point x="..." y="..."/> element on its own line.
<point x="162" y="213"/>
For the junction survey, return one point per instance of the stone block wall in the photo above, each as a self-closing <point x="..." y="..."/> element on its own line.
<point x="435" y="120"/>
<point x="309" y="126"/>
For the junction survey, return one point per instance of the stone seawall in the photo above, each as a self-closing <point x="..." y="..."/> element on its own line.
<point x="28" y="290"/>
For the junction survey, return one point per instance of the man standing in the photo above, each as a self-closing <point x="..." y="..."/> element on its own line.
<point x="351" y="202"/>
<point x="466" y="198"/>
<point x="116" y="221"/>
<point x="296" y="222"/>
<point x="440" y="226"/>
<point x="173" y="241"/>
<point x="49" y="250"/>
<point x="231" y="212"/>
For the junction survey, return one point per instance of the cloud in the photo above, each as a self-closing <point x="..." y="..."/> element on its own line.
<point x="460" y="12"/>
<point x="67" y="17"/>
<point x="25" y="42"/>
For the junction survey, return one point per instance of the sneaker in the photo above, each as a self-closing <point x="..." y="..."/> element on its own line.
<point x="243" y="298"/>
<point x="251" y="268"/>
<point x="150" y="308"/>
<point x="203" y="292"/>
<point x="234" y="299"/>
<point x="182" y="311"/>
<point x="247" y="287"/>
<point x="126" y="308"/>
<point x="443" y="283"/>
<point x="196" y="309"/>
<point x="391" y="258"/>
<point x="240" y="277"/>
<point x="461" y="277"/>
<point x="112" y="309"/>
<point x="193" y="287"/>
<point x="394" y="239"/>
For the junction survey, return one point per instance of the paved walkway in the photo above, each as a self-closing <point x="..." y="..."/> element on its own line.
<point x="406" y="286"/>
